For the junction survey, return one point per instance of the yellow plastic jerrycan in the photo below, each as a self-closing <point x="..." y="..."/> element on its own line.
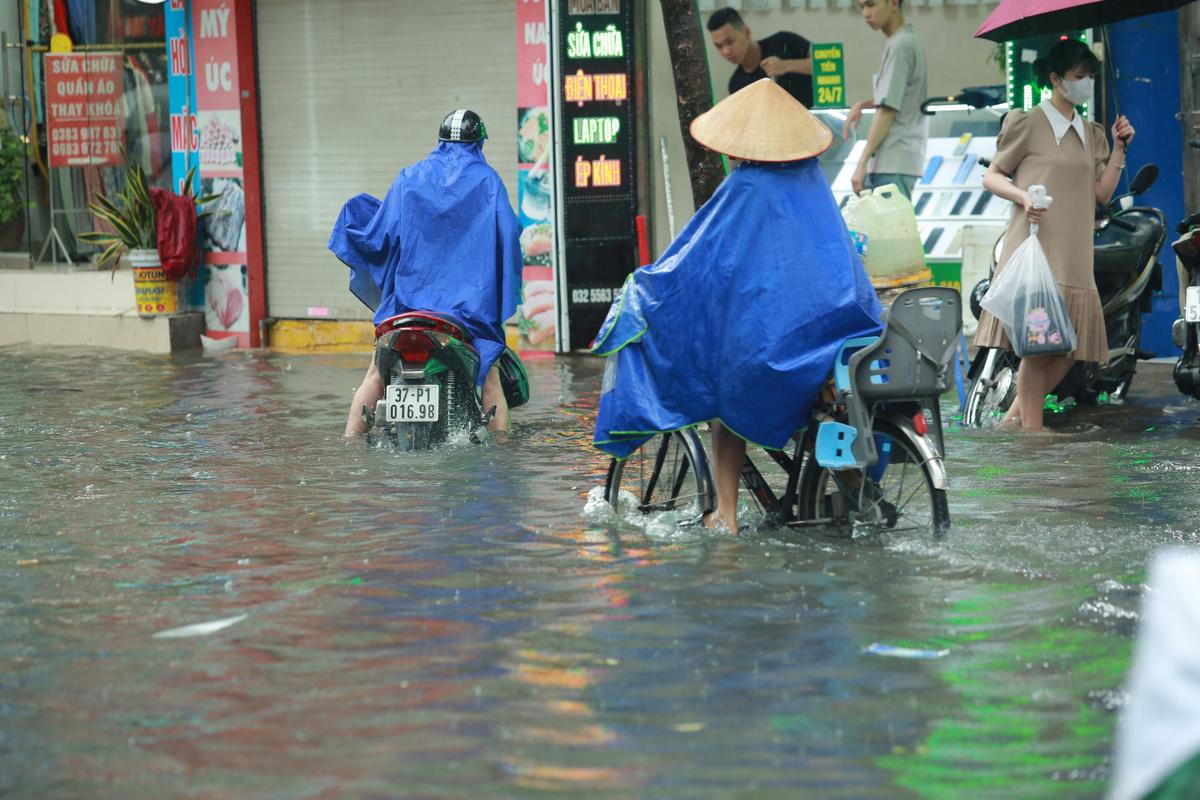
<point x="885" y="225"/>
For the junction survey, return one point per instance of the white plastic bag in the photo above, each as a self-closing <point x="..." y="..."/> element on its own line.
<point x="884" y="227"/>
<point x="1027" y="301"/>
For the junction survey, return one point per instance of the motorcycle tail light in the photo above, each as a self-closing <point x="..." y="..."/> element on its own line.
<point x="413" y="346"/>
<point x="1189" y="248"/>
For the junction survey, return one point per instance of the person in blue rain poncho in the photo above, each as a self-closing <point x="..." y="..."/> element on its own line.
<point x="740" y="320"/>
<point x="443" y="240"/>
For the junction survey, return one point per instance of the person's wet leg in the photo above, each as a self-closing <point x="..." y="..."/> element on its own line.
<point x="1037" y="377"/>
<point x="1012" y="417"/>
<point x="493" y="395"/>
<point x="1031" y="379"/>
<point x="1056" y="369"/>
<point x="729" y="451"/>
<point x="369" y="392"/>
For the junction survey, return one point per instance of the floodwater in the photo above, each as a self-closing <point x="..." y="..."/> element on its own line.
<point x="452" y="624"/>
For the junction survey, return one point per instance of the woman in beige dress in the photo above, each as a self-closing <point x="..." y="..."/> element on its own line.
<point x="1053" y="146"/>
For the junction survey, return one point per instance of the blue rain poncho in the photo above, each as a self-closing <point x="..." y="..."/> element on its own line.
<point x="740" y="319"/>
<point x="443" y="240"/>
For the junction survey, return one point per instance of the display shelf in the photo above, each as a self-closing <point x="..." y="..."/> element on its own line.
<point x="948" y="197"/>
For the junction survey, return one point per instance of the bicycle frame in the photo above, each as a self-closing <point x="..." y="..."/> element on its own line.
<point x="780" y="510"/>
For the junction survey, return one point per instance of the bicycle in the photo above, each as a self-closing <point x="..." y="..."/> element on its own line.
<point x="872" y="461"/>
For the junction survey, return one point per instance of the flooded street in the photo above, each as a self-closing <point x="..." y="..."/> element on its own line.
<point x="453" y="625"/>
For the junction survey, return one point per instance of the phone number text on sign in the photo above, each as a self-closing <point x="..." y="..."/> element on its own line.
<point x="85" y="109"/>
<point x="594" y="295"/>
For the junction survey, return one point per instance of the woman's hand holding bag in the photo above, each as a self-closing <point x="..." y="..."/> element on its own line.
<point x="1026" y="299"/>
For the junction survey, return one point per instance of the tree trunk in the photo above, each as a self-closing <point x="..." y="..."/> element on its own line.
<point x="693" y="89"/>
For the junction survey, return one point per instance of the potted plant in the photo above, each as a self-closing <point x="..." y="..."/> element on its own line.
<point x="13" y="150"/>
<point x="131" y="214"/>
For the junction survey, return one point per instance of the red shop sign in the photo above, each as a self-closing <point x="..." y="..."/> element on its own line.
<point x="85" y="109"/>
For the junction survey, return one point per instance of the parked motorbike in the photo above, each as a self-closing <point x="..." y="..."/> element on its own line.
<point x="429" y="368"/>
<point x="1127" y="240"/>
<point x="1186" y="330"/>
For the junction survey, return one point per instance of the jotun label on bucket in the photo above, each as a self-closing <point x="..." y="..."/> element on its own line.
<point x="152" y="292"/>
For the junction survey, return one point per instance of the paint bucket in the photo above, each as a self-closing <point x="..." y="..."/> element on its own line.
<point x="152" y="292"/>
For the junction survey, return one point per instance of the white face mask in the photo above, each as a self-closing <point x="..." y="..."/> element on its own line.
<point x="1080" y="91"/>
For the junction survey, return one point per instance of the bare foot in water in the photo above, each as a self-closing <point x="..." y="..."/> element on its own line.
<point x="715" y="520"/>
<point x="1011" y="420"/>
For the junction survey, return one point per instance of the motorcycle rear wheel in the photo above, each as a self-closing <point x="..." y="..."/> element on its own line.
<point x="993" y="389"/>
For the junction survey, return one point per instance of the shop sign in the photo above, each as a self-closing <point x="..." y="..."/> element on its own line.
<point x="85" y="109"/>
<point x="537" y="319"/>
<point x="596" y="141"/>
<point x="181" y="87"/>
<point x="581" y="88"/>
<point x="829" y="76"/>
<point x="218" y="127"/>
<point x="595" y="130"/>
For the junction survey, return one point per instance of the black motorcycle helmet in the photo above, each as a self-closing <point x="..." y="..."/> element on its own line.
<point x="462" y="125"/>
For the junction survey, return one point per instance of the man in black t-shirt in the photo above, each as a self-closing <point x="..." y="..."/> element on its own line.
<point x="783" y="56"/>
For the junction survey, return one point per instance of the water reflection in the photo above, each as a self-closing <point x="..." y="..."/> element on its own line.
<point x="429" y="625"/>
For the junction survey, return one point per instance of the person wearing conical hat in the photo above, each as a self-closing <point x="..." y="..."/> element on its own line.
<point x="740" y="320"/>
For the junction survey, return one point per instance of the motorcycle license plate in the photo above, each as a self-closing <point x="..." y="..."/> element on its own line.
<point x="1191" y="307"/>
<point x="412" y="403"/>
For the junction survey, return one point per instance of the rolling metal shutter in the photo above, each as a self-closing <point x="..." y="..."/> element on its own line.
<point x="352" y="91"/>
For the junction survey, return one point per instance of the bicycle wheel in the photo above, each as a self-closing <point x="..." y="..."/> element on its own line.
<point x="993" y="389"/>
<point x="668" y="473"/>
<point x="895" y="494"/>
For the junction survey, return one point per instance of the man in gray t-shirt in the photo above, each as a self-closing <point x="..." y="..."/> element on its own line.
<point x="895" y="151"/>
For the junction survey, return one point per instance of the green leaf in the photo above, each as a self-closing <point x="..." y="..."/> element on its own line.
<point x="130" y="212"/>
<point x="189" y="181"/>
<point x="103" y="201"/>
<point x="137" y="184"/>
<point x="97" y="237"/>
<point x="111" y="254"/>
<point x="124" y="228"/>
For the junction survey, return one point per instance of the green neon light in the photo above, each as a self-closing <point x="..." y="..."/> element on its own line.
<point x="595" y="130"/>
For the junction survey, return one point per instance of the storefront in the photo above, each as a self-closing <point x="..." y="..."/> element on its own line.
<point x="215" y="139"/>
<point x="85" y="93"/>
<point x="353" y="91"/>
<point x="99" y="95"/>
<point x="345" y="94"/>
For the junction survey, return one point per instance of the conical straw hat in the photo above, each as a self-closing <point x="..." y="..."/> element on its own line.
<point x="762" y="122"/>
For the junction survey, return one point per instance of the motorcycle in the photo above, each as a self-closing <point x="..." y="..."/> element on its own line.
<point x="429" y="368"/>
<point x="1186" y="330"/>
<point x="1127" y="240"/>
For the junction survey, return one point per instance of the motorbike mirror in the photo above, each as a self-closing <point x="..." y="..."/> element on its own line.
<point x="1144" y="179"/>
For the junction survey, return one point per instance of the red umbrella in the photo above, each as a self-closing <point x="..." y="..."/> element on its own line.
<point x="1018" y="19"/>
